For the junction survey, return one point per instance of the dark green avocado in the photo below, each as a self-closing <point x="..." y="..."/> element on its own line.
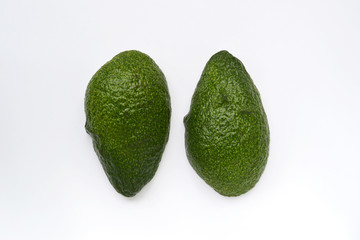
<point x="226" y="129"/>
<point x="127" y="106"/>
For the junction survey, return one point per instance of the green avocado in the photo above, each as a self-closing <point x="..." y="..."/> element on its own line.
<point x="127" y="106"/>
<point x="226" y="129"/>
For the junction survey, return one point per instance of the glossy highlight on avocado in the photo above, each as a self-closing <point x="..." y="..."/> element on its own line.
<point x="226" y="130"/>
<point x="127" y="106"/>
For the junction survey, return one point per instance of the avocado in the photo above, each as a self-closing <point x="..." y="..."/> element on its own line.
<point x="127" y="106"/>
<point x="226" y="129"/>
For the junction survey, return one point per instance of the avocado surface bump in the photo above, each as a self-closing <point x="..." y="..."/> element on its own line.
<point x="226" y="129"/>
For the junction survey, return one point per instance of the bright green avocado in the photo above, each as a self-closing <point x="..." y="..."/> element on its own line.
<point x="127" y="108"/>
<point x="226" y="129"/>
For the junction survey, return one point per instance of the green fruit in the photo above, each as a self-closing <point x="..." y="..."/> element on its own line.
<point x="227" y="133"/>
<point x="127" y="108"/>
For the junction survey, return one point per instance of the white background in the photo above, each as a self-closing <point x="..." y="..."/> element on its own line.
<point x="303" y="56"/>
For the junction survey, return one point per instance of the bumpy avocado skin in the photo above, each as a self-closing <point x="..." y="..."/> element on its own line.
<point x="226" y="129"/>
<point x="127" y="106"/>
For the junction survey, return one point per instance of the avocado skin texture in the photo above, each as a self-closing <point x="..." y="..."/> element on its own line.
<point x="226" y="129"/>
<point x="127" y="106"/>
